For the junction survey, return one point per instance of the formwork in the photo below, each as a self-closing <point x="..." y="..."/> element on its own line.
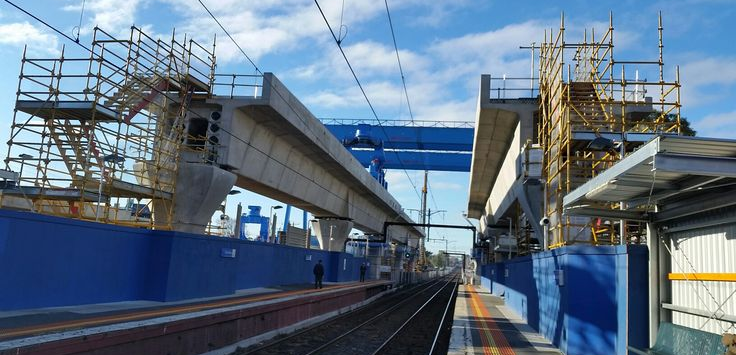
<point x="594" y="109"/>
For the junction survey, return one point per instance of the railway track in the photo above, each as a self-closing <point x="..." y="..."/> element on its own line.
<point x="410" y="321"/>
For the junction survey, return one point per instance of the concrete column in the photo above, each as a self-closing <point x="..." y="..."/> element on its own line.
<point x="332" y="233"/>
<point x="200" y="189"/>
<point x="238" y="216"/>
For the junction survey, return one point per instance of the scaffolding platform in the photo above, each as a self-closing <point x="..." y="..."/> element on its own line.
<point x="67" y="110"/>
<point x="108" y="128"/>
<point x="120" y="188"/>
<point x="54" y="194"/>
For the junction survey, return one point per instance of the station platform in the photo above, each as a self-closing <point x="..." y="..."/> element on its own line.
<point x="188" y="327"/>
<point x="483" y="325"/>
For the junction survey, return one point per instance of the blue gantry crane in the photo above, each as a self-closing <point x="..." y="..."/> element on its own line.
<point x="428" y="146"/>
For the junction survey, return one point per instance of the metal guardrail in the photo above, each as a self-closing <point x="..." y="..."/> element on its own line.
<point x="397" y="123"/>
<point x="504" y="87"/>
<point x="238" y="85"/>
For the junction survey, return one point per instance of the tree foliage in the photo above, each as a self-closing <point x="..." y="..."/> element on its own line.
<point x="685" y="127"/>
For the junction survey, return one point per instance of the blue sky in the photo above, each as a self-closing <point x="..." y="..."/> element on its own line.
<point x="445" y="46"/>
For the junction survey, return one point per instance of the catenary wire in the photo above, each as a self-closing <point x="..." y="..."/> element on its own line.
<point x="398" y="59"/>
<point x="362" y="90"/>
<point x="338" y="42"/>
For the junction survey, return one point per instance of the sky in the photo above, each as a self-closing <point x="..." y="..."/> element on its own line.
<point x="444" y="45"/>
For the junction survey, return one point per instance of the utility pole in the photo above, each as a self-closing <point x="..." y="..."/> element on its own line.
<point x="423" y="213"/>
<point x="422" y="255"/>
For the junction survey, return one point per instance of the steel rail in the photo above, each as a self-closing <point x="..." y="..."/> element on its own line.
<point x="326" y="322"/>
<point x="333" y="341"/>
<point x="442" y="321"/>
<point x="401" y="328"/>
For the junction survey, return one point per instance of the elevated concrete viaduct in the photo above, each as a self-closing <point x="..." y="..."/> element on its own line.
<point x="277" y="148"/>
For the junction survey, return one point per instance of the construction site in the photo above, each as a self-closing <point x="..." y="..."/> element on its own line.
<point x="604" y="225"/>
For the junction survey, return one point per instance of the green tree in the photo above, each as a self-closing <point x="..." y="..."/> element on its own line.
<point x="437" y="260"/>
<point x="685" y="127"/>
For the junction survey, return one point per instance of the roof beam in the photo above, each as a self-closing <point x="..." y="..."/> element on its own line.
<point x="604" y="212"/>
<point x="699" y="204"/>
<point x="696" y="165"/>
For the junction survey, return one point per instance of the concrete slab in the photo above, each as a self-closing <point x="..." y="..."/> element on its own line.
<point x="187" y="329"/>
<point x="40" y="316"/>
<point x="483" y="325"/>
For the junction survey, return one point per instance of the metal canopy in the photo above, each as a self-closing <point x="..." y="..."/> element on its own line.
<point x="662" y="171"/>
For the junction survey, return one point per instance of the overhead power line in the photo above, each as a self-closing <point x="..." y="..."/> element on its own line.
<point x="350" y="66"/>
<point x="398" y="59"/>
<point x="231" y="37"/>
<point x="338" y="42"/>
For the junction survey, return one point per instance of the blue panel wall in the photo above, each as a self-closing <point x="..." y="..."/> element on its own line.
<point x="586" y="313"/>
<point x="53" y="262"/>
<point x="49" y="261"/>
<point x="638" y="295"/>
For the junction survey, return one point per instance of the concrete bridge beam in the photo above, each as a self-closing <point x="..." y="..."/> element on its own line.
<point x="278" y="149"/>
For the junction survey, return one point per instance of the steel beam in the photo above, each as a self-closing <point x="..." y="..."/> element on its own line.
<point x="688" y="185"/>
<point x="696" y="165"/>
<point x="701" y="313"/>
<point x="418" y="160"/>
<point x="428" y="225"/>
<point x="699" y="204"/>
<point x="636" y="158"/>
<point x="605" y="213"/>
<point x="420" y="138"/>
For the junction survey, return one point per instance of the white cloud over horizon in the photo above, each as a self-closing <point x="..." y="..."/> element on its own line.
<point x="21" y="34"/>
<point x="716" y="125"/>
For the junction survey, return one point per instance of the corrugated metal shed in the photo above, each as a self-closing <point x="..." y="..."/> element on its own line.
<point x="704" y="250"/>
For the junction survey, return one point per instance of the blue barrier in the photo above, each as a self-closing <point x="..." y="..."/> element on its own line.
<point x="579" y="297"/>
<point x="51" y="261"/>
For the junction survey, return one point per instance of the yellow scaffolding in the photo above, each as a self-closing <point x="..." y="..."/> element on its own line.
<point x="587" y="110"/>
<point x="100" y="137"/>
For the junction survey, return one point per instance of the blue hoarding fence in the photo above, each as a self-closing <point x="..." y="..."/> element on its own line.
<point x="50" y="261"/>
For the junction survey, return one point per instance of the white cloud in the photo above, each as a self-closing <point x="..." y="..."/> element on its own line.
<point x="113" y="16"/>
<point x="381" y="93"/>
<point x="718" y="125"/>
<point x="442" y="185"/>
<point x="442" y="80"/>
<point x="494" y="51"/>
<point x="397" y="181"/>
<point x="262" y="28"/>
<point x="437" y="12"/>
<point x="704" y="79"/>
<point x="709" y="70"/>
<point x="448" y="110"/>
<point x="23" y="33"/>
<point x="374" y="58"/>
